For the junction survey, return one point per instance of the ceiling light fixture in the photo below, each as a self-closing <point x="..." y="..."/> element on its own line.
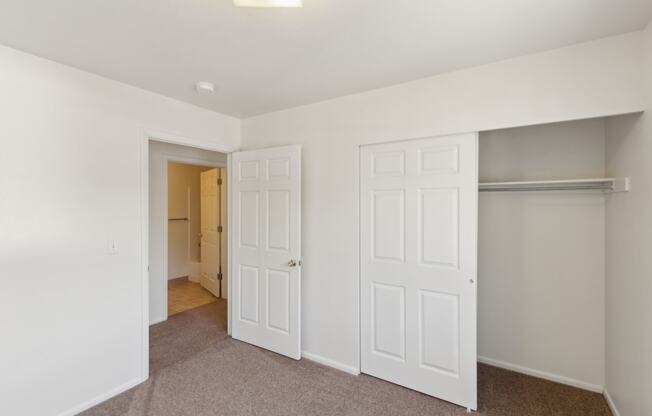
<point x="268" y="3"/>
<point x="205" y="87"/>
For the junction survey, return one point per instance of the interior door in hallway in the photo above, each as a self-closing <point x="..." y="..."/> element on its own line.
<point x="418" y="210"/>
<point x="266" y="249"/>
<point x="210" y="230"/>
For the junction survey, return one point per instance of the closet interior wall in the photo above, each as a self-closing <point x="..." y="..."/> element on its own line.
<point x="541" y="268"/>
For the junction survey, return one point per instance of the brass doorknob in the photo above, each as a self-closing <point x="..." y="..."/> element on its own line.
<point x="292" y="263"/>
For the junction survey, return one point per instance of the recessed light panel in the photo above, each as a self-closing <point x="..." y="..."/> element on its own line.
<point x="268" y="3"/>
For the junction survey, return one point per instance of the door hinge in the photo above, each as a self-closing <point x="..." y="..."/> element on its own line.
<point x="219" y="181"/>
<point x="219" y="228"/>
<point x="219" y="276"/>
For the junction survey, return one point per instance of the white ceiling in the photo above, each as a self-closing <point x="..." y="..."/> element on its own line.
<point x="263" y="60"/>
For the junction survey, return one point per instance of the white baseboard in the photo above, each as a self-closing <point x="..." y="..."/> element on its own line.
<point x="610" y="402"/>
<point x="158" y="320"/>
<point x="542" y="374"/>
<point x="330" y="363"/>
<point x="101" y="398"/>
<point x="195" y="272"/>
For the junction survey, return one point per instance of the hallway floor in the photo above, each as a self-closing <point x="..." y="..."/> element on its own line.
<point x="184" y="295"/>
<point x="197" y="370"/>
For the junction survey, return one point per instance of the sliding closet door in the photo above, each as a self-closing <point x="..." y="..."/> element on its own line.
<point x="418" y="265"/>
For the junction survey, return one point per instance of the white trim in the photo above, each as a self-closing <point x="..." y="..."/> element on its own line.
<point x="229" y="199"/>
<point x="195" y="161"/>
<point x="185" y="141"/>
<point x="144" y="254"/>
<point x="330" y="363"/>
<point x="158" y="320"/>
<point x="102" y="397"/>
<point x="145" y="136"/>
<point x="610" y="402"/>
<point x="542" y="374"/>
<point x="358" y="233"/>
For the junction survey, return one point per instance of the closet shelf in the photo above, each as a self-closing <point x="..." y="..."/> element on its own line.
<point x="601" y="184"/>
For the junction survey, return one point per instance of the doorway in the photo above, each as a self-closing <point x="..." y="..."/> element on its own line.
<point x="266" y="259"/>
<point x="196" y="235"/>
<point x="186" y="213"/>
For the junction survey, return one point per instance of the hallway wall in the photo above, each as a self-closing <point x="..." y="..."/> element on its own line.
<point x="183" y="202"/>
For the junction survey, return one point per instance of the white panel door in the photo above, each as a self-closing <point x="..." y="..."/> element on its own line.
<point x="224" y="241"/>
<point x="266" y="249"/>
<point x="418" y="265"/>
<point x="210" y="235"/>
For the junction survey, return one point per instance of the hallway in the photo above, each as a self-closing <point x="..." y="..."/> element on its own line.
<point x="184" y="295"/>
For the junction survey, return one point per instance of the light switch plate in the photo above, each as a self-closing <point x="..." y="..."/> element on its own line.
<point x="112" y="247"/>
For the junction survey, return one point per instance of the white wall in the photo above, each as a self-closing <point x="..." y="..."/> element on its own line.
<point x="70" y="181"/>
<point x="541" y="254"/>
<point x="589" y="80"/>
<point x="71" y="313"/>
<point x="629" y="259"/>
<point x="183" y="202"/>
<point x="159" y="154"/>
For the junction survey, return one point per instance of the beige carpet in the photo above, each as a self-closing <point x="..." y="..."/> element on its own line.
<point x="197" y="370"/>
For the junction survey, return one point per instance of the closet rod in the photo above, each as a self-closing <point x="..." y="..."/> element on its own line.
<point x="599" y="184"/>
<point x="546" y="188"/>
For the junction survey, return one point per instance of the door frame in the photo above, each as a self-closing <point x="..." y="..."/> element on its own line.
<point x="145" y="137"/>
<point x="164" y="201"/>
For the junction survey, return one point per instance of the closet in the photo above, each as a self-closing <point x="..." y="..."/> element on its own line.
<point x="541" y="250"/>
<point x="536" y="203"/>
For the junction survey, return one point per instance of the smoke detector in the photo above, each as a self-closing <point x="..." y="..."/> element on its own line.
<point x="268" y="3"/>
<point x="204" y="87"/>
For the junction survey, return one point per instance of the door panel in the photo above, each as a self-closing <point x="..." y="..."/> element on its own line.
<point x="278" y="220"/>
<point x="438" y="227"/>
<point x="267" y="249"/>
<point x="418" y="215"/>
<point x="249" y="225"/>
<point x="248" y="299"/>
<point x="210" y="235"/>
<point x="388" y="319"/>
<point x="439" y="331"/>
<point x="388" y="219"/>
<point x="278" y="300"/>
